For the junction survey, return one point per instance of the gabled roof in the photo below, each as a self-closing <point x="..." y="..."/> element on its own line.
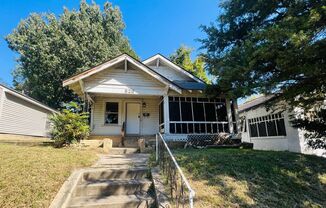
<point x="173" y="66"/>
<point x="27" y="98"/>
<point x="255" y="102"/>
<point x="116" y="60"/>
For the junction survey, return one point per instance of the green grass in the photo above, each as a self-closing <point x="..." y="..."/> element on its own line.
<point x="248" y="178"/>
<point x="30" y="176"/>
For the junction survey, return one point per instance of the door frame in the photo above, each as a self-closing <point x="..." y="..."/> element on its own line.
<point x="140" y="116"/>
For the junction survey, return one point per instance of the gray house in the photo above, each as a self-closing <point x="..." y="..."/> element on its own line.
<point x="22" y="115"/>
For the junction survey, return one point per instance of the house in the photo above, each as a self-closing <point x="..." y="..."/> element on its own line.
<point x="144" y="98"/>
<point x="271" y="129"/>
<point x="22" y="115"/>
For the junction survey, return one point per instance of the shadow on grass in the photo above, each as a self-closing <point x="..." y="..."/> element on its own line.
<point x="249" y="178"/>
<point x="30" y="143"/>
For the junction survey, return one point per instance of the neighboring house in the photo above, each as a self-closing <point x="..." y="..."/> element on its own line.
<point x="271" y="130"/>
<point x="148" y="97"/>
<point x="22" y="115"/>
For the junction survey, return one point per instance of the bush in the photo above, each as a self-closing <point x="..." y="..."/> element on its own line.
<point x="70" y="125"/>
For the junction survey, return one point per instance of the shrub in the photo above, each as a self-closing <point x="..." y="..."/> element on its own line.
<point x="70" y="125"/>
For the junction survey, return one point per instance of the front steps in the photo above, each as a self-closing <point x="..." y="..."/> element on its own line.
<point x="119" y="201"/>
<point x="123" y="150"/>
<point x="132" y="141"/>
<point x="115" y="181"/>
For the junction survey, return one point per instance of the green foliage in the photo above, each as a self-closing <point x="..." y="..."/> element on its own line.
<point x="270" y="47"/>
<point x="315" y="127"/>
<point x="52" y="48"/>
<point x="182" y="58"/>
<point x="70" y="125"/>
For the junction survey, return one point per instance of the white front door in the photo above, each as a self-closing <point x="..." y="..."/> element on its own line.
<point x="133" y="118"/>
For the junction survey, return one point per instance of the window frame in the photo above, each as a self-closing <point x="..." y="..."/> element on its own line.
<point x="106" y="113"/>
<point x="275" y="117"/>
<point x="203" y="126"/>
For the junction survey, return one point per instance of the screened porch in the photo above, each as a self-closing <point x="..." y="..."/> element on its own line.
<point x="196" y="115"/>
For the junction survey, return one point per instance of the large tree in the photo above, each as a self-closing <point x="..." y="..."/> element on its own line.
<point x="182" y="58"/>
<point x="269" y="47"/>
<point x="52" y="48"/>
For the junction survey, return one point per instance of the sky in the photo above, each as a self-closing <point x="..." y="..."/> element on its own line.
<point x="152" y="26"/>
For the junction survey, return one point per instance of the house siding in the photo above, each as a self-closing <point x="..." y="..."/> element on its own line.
<point x="21" y="117"/>
<point x="148" y="125"/>
<point x="294" y="141"/>
<point x="119" y="81"/>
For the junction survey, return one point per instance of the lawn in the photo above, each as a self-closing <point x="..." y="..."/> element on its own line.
<point x="30" y="176"/>
<point x="248" y="178"/>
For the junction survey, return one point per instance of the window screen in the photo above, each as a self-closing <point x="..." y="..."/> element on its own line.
<point x="210" y="112"/>
<point x="111" y="113"/>
<point x="197" y="115"/>
<point x="198" y="111"/>
<point x="221" y="112"/>
<point x="267" y="126"/>
<point x="186" y="111"/>
<point x="174" y="110"/>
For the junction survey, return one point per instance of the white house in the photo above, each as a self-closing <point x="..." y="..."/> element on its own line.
<point x="271" y="130"/>
<point x="144" y="98"/>
<point x="22" y="115"/>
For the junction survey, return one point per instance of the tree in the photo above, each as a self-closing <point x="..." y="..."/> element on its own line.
<point x="270" y="47"/>
<point x="182" y="58"/>
<point x="70" y="125"/>
<point x="52" y="48"/>
<point x="199" y="69"/>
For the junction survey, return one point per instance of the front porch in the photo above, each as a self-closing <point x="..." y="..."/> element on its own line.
<point x="116" y="116"/>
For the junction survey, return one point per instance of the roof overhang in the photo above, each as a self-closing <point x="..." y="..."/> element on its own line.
<point x="120" y="58"/>
<point x="27" y="98"/>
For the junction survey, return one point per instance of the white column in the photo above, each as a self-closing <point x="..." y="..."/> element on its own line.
<point x="229" y="112"/>
<point x="235" y="105"/>
<point x="166" y="114"/>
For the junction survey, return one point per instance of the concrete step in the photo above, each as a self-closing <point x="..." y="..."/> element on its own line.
<point x="123" y="161"/>
<point x="122" y="150"/>
<point x="120" y="201"/>
<point x="113" y="187"/>
<point x="132" y="141"/>
<point x="105" y="174"/>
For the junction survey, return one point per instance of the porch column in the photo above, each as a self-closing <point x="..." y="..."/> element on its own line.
<point x="237" y="120"/>
<point x="166" y="114"/>
<point x="229" y="112"/>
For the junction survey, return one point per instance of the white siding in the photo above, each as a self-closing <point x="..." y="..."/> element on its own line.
<point x="119" y="81"/>
<point x="294" y="140"/>
<point x="148" y="125"/>
<point x="21" y="117"/>
<point x="170" y="73"/>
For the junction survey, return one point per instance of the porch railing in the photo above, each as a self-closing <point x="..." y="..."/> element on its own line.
<point x="179" y="186"/>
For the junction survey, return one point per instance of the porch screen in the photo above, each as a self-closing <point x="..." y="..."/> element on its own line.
<point x="111" y="113"/>
<point x="197" y="115"/>
<point x="267" y="126"/>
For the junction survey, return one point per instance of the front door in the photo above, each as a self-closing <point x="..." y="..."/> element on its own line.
<point x="133" y="118"/>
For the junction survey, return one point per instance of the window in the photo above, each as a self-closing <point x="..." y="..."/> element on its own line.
<point x="174" y="110"/>
<point x="198" y="111"/>
<point x="197" y="115"/>
<point x="266" y="126"/>
<point x="111" y="113"/>
<point x="186" y="111"/>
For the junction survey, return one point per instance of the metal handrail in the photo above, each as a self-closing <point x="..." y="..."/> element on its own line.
<point x="183" y="178"/>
